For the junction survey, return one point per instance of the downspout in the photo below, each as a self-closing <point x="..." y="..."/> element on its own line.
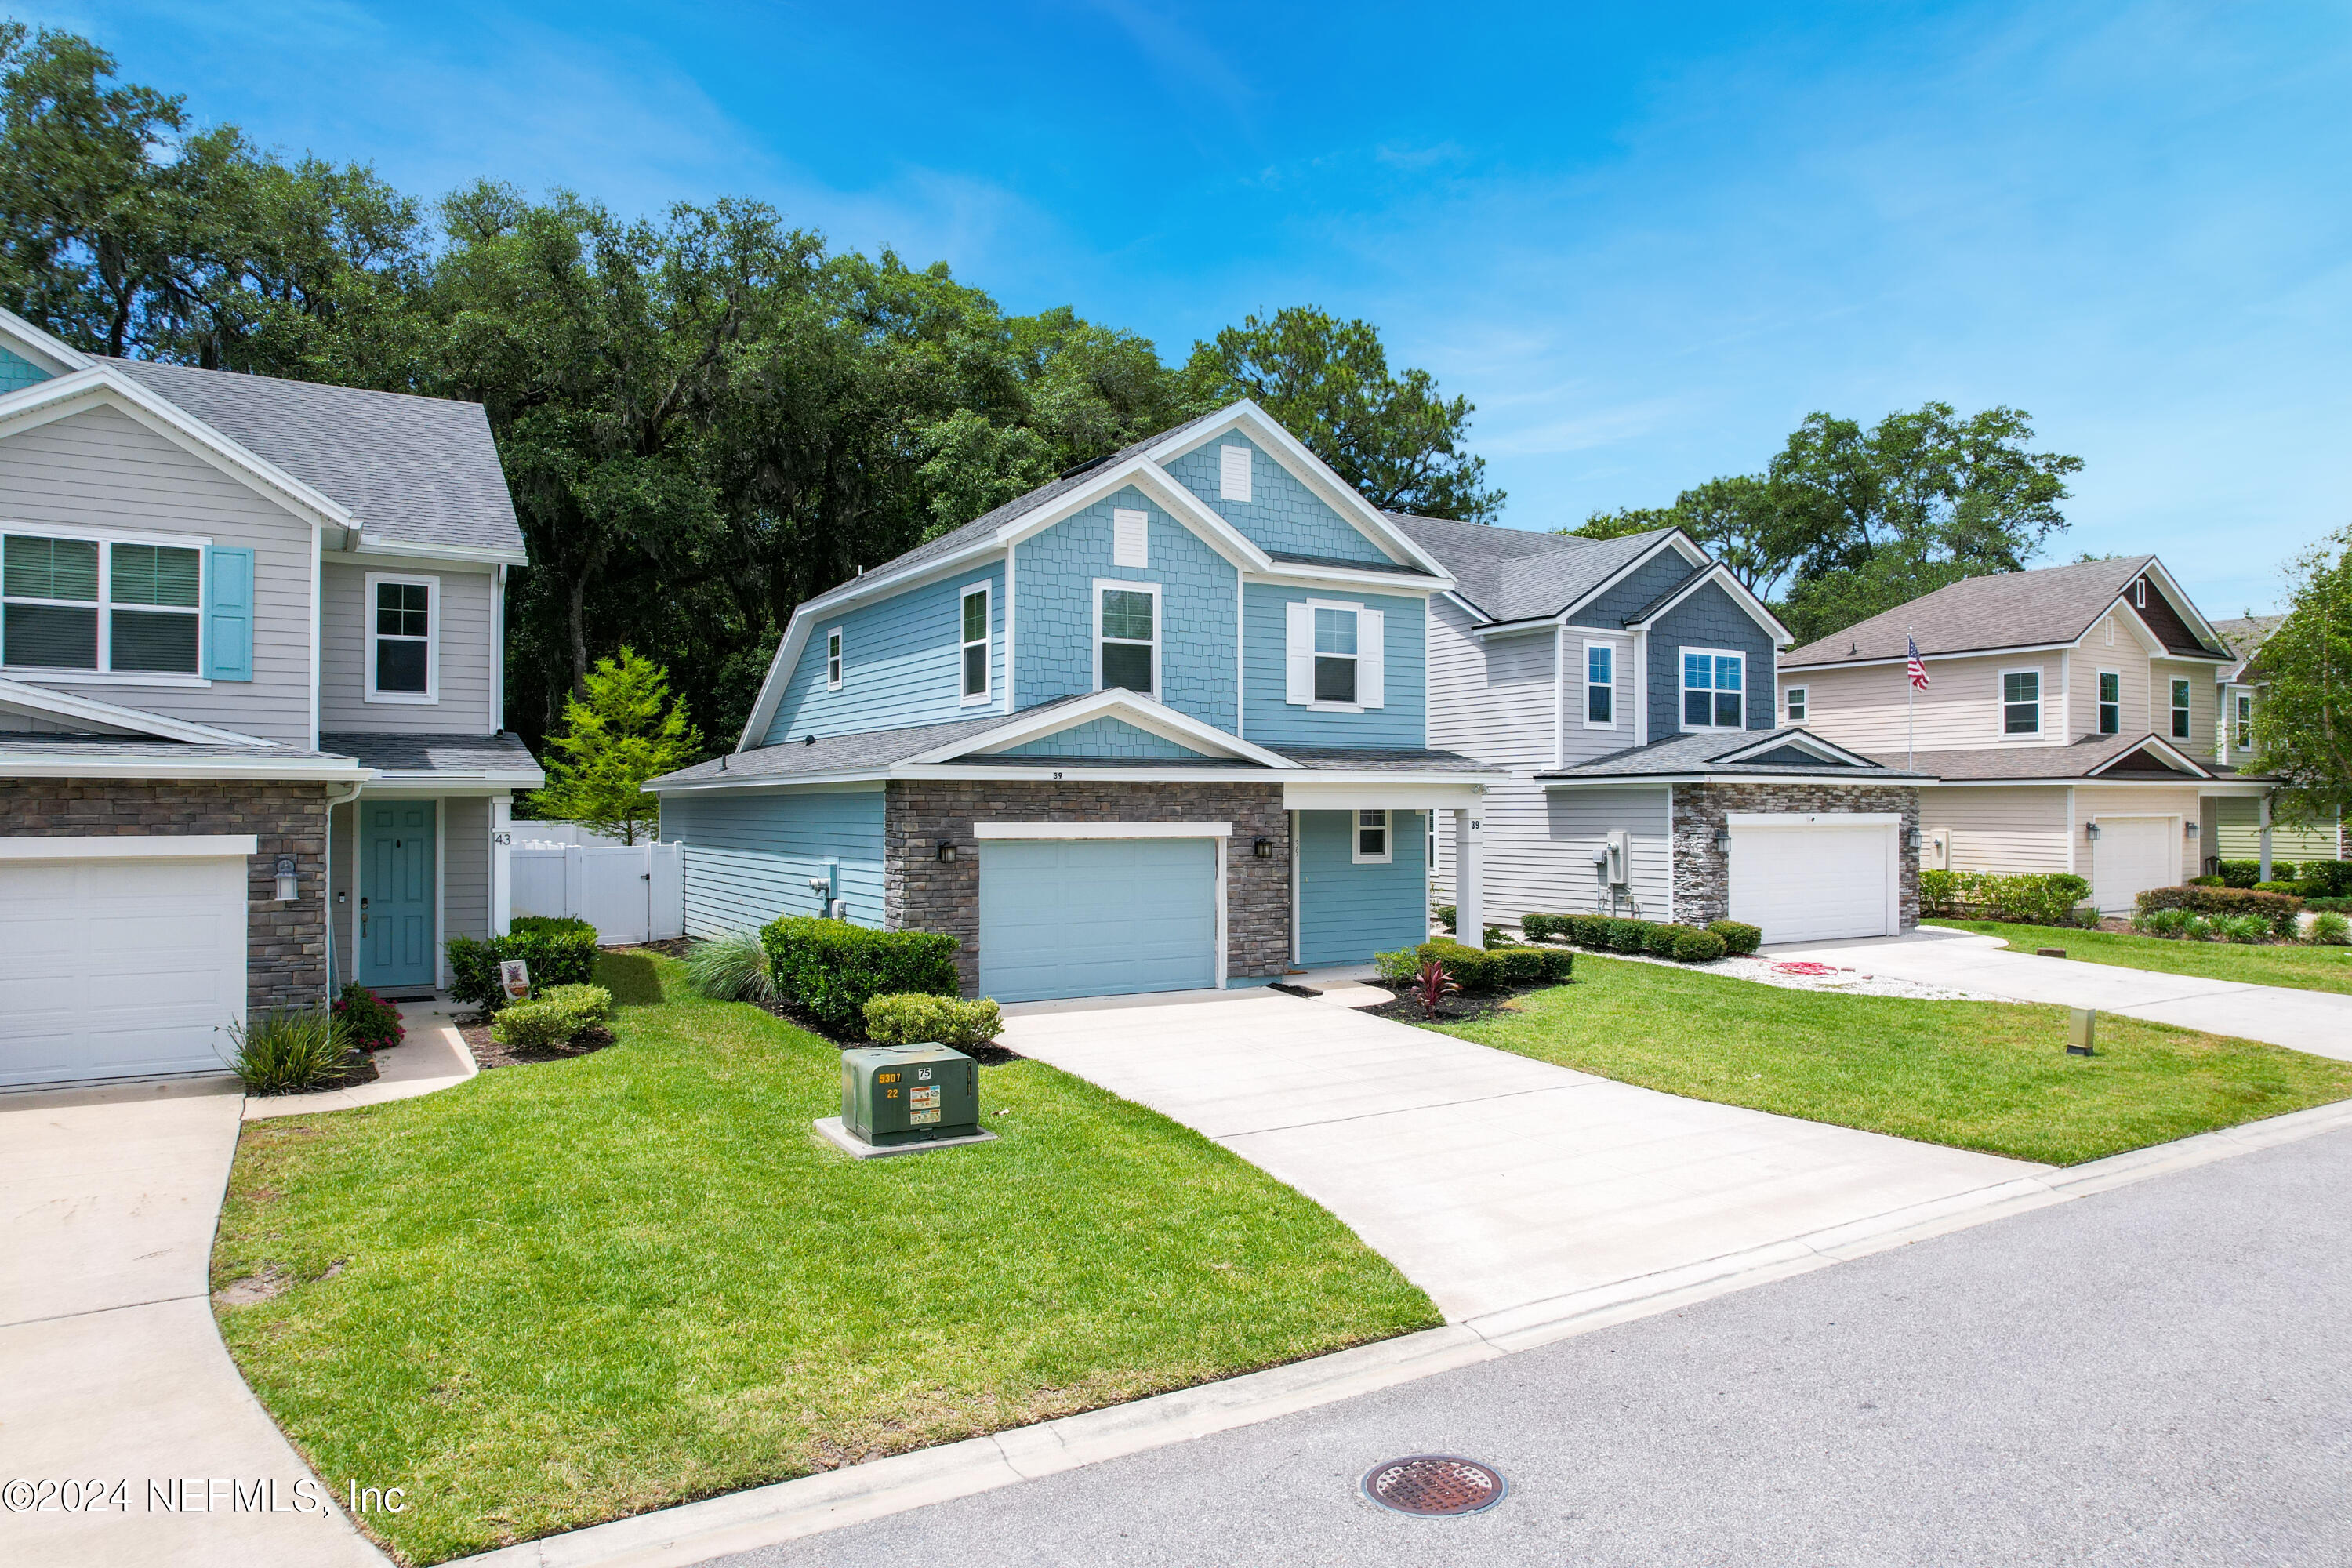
<point x="327" y="881"/>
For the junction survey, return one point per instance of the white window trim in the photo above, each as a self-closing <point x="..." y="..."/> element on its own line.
<point x="1589" y="683"/>
<point x="431" y="695"/>
<point x="2241" y="721"/>
<point x="836" y="657"/>
<point x="2098" y="679"/>
<point x="1356" y="826"/>
<point x="1158" y="630"/>
<point x="1795" y="698"/>
<point x="1683" y="686"/>
<point x="987" y="692"/>
<point x="2181" y="717"/>
<point x="1356" y="608"/>
<point x="2000" y="700"/>
<point x="73" y="675"/>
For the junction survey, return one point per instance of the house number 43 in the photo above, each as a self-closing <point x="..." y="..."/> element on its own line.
<point x="501" y="837"/>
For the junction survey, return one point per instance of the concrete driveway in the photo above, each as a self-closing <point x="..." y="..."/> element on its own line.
<point x="1512" y="1191"/>
<point x="2319" y="1022"/>
<point x="115" y="1370"/>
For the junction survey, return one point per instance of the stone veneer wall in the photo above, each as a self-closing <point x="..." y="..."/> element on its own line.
<point x="1703" y="873"/>
<point x="286" y="944"/>
<point x="922" y="892"/>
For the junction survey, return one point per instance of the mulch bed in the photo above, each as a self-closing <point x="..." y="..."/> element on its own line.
<point x="988" y="1056"/>
<point x="357" y="1068"/>
<point x="1457" y="1008"/>
<point x="668" y="947"/>
<point x="489" y="1053"/>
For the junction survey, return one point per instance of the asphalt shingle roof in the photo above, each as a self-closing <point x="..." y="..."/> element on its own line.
<point x="1382" y="761"/>
<point x="2008" y="610"/>
<point x="2073" y="760"/>
<point x="1696" y="753"/>
<point x="426" y="753"/>
<point x="1512" y="575"/>
<point x="420" y="471"/>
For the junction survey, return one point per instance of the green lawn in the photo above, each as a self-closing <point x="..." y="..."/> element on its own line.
<point x="1979" y="1075"/>
<point x="2304" y="967"/>
<point x="574" y="1290"/>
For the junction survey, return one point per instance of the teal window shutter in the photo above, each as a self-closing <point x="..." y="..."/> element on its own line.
<point x="228" y="614"/>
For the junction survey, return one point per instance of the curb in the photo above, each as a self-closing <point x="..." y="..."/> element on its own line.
<point x="790" y="1510"/>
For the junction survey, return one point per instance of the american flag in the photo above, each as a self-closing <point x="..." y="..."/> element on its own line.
<point x="1918" y="670"/>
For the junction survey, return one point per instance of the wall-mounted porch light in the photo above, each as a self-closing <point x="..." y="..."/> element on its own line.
<point x="287" y="890"/>
<point x="1911" y="840"/>
<point x="2091" y="831"/>
<point x="2189" y="828"/>
<point x="1723" y="840"/>
<point x="1262" y="847"/>
<point x="946" y="851"/>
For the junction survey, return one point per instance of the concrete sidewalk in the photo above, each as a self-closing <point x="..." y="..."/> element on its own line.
<point x="2319" y="1022"/>
<point x="115" y="1370"/>
<point x="1498" y="1184"/>
<point x="433" y="1057"/>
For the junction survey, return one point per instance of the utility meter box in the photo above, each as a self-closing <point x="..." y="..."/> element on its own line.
<point x="908" y="1094"/>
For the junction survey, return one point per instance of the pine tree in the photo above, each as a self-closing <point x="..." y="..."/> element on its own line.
<point x="625" y="730"/>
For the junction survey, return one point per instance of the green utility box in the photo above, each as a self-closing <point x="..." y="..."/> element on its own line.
<point x="908" y="1094"/>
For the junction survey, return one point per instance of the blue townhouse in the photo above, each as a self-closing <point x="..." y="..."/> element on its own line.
<point x="1161" y="724"/>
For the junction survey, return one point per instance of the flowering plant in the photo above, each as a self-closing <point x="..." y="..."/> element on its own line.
<point x="367" y="1020"/>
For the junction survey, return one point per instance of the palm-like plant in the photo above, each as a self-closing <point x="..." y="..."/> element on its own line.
<point x="1432" y="986"/>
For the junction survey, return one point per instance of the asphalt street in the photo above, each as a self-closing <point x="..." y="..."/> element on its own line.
<point x="2161" y="1374"/>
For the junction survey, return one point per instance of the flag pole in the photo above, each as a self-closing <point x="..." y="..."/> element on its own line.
<point x="1910" y="707"/>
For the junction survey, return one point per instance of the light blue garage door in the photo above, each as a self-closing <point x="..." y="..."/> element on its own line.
<point x="1095" y="917"/>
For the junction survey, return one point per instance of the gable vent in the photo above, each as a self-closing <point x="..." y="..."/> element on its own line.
<point x="1233" y="473"/>
<point x="1131" y="538"/>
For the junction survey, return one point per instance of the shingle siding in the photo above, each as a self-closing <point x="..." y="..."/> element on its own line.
<point x="902" y="663"/>
<point x="1104" y="737"/>
<point x="1710" y="618"/>
<point x="1272" y="720"/>
<point x="1282" y="514"/>
<point x="1636" y="592"/>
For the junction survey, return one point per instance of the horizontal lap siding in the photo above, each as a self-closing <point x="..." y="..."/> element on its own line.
<point x="1540" y="844"/>
<point x="902" y="664"/>
<point x="1274" y="720"/>
<point x="2006" y="831"/>
<point x="1346" y="912"/>
<point x="464" y="866"/>
<point x="749" y="858"/>
<point x="464" y="648"/>
<point x="1580" y="742"/>
<point x="2238" y="834"/>
<point x="102" y="470"/>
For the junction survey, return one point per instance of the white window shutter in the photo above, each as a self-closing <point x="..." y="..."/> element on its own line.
<point x="1233" y="473"/>
<point x="1371" y="653"/>
<point x="1131" y="538"/>
<point x="1298" y="643"/>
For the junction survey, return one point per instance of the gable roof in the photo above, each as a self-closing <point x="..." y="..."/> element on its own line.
<point x="2244" y="637"/>
<point x="1512" y="575"/>
<point x="94" y="716"/>
<point x="419" y="471"/>
<point x="2090" y="757"/>
<point x="1738" y="754"/>
<point x="2011" y="609"/>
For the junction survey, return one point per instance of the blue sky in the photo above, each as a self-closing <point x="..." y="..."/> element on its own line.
<point x="1644" y="245"/>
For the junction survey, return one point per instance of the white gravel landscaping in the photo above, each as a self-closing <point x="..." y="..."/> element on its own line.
<point x="1803" y="976"/>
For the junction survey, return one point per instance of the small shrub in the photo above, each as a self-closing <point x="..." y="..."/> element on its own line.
<point x="1472" y="968"/>
<point x="1445" y="916"/>
<point x="2239" y="873"/>
<point x="2334" y="906"/>
<point x="1432" y="985"/>
<point x="1693" y="945"/>
<point x="2162" y="922"/>
<point x="1521" y="965"/>
<point x="2045" y="898"/>
<point x="2278" y="908"/>
<point x="916" y="1017"/>
<point x="2328" y="878"/>
<point x="2331" y="929"/>
<point x="2206" y="882"/>
<point x="2196" y="927"/>
<point x="1589" y="931"/>
<point x="1658" y="942"/>
<point x="1739" y="938"/>
<point x="1492" y="936"/>
<point x="1545" y="928"/>
<point x="1939" y="893"/>
<point x="1628" y="936"/>
<point x="732" y="968"/>
<point x="559" y="950"/>
<point x="288" y="1052"/>
<point x="2291" y="888"/>
<point x="1398" y="968"/>
<point x="367" y="1020"/>
<point x="586" y="1005"/>
<point x="533" y="1025"/>
<point x="1560" y="965"/>
<point x="2242" y="927"/>
<point x="831" y="969"/>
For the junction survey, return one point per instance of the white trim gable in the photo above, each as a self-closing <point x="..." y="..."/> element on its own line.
<point x="2189" y="766"/>
<point x="1157" y="485"/>
<point x="29" y="342"/>
<point x="1804" y="741"/>
<point x="17" y="696"/>
<point x="1740" y="594"/>
<point x="1128" y="707"/>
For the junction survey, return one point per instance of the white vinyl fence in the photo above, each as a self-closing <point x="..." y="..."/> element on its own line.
<point x="629" y="893"/>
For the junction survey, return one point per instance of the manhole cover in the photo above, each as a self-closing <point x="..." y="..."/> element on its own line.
<point x="1434" y="1484"/>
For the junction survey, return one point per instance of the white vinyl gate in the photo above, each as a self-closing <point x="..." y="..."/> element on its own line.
<point x="628" y="892"/>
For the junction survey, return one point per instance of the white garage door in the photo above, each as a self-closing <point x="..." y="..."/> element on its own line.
<point x="119" y="967"/>
<point x="1097" y="917"/>
<point x="1816" y="879"/>
<point x="2131" y="855"/>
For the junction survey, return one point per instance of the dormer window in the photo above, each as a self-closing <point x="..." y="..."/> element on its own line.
<point x="1126" y="637"/>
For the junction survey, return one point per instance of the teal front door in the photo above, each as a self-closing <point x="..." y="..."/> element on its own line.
<point x="396" y="893"/>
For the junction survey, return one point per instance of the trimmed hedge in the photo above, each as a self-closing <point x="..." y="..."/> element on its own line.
<point x="917" y="1018"/>
<point x="1445" y="916"/>
<point x="2041" y="898"/>
<point x="559" y="951"/>
<point x="1739" y="938"/>
<point x="2279" y="909"/>
<point x="2326" y="878"/>
<point x="1545" y="928"/>
<point x="554" y="1019"/>
<point x="831" y="969"/>
<point x="1693" y="945"/>
<point x="1492" y="968"/>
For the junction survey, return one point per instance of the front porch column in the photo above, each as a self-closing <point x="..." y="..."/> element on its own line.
<point x="1469" y="877"/>
<point x="2265" y="807"/>
<point x="501" y="863"/>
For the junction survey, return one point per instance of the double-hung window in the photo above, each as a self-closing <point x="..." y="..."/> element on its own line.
<point x="1796" y="705"/>
<point x="404" y="629"/>
<point x="80" y="604"/>
<point x="1126" y="637"/>
<point x="1713" y="695"/>
<point x="975" y="644"/>
<point x="2181" y="709"/>
<point x="1600" y="685"/>
<point x="2111" y="702"/>
<point x="833" y="659"/>
<point x="1373" y="846"/>
<point x="2245" y="723"/>
<point x="1335" y="655"/>
<point x="2020" y="702"/>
